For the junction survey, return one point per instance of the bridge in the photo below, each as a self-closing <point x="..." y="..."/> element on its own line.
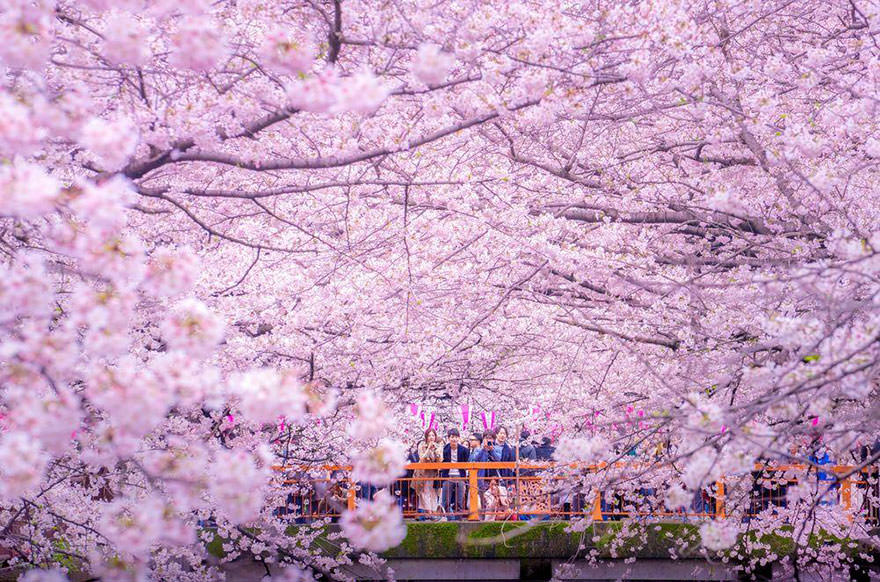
<point x="524" y="491"/>
<point x="538" y="536"/>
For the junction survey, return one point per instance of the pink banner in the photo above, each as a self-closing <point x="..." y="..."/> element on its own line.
<point x="488" y="422"/>
<point x="465" y="415"/>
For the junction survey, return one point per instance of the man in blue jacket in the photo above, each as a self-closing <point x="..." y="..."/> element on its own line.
<point x="486" y="454"/>
<point x="455" y="483"/>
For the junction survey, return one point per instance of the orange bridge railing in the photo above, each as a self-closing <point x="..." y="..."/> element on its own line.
<point x="519" y="491"/>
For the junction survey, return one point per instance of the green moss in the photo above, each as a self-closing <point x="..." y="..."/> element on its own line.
<point x="428" y="540"/>
<point x="487" y="540"/>
<point x="63" y="558"/>
<point x="544" y="540"/>
<point x="651" y="540"/>
<point x="215" y="546"/>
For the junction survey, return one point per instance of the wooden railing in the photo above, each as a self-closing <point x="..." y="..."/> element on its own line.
<point x="540" y="491"/>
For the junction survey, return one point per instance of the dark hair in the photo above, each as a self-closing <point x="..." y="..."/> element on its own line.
<point x="499" y="429"/>
<point x="436" y="438"/>
<point x="477" y="436"/>
<point x="489" y="434"/>
<point x="524" y="435"/>
<point x="452" y="432"/>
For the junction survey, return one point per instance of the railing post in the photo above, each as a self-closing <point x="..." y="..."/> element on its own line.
<point x="473" y="496"/>
<point x="597" y="506"/>
<point x="846" y="494"/>
<point x="719" y="499"/>
<point x="352" y="496"/>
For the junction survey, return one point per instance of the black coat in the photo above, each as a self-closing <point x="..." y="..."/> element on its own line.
<point x="463" y="454"/>
<point x="527" y="453"/>
<point x="508" y="455"/>
<point x="412" y="456"/>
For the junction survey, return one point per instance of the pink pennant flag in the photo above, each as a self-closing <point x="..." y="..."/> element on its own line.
<point x="485" y="422"/>
<point x="492" y="421"/>
<point x="414" y="409"/>
<point x="431" y="422"/>
<point x="532" y="414"/>
<point x="465" y="415"/>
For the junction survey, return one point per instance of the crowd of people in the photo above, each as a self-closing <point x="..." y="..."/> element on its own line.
<point x="445" y="491"/>
<point x="505" y="492"/>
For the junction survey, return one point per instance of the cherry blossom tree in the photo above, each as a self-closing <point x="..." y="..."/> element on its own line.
<point x="238" y="234"/>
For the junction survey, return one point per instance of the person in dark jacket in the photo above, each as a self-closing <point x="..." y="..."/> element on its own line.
<point x="454" y="484"/>
<point x="529" y="488"/>
<point x="545" y="451"/>
<point x="504" y="452"/>
<point x="486" y="454"/>
<point x="407" y="497"/>
<point x="527" y="453"/>
<point x="526" y="449"/>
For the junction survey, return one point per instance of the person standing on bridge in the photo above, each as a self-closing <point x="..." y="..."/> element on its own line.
<point x="454" y="485"/>
<point x="504" y="453"/>
<point x="474" y="444"/>
<point x="430" y="451"/>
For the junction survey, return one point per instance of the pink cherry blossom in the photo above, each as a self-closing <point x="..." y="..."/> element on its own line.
<point x="198" y="44"/>
<point x="171" y="272"/>
<point x="130" y="395"/>
<point x="678" y="498"/>
<point x="380" y="465"/>
<point x="267" y="394"/>
<point x="22" y="464"/>
<point x="317" y="94"/>
<point x="375" y="525"/>
<point x="26" y="190"/>
<point x="371" y="418"/>
<point x="193" y="328"/>
<point x="26" y="34"/>
<point x="218" y="217"/>
<point x="19" y="132"/>
<point x="718" y="535"/>
<point x="237" y="485"/>
<point x="50" y="418"/>
<point x="126" y="39"/>
<point x="431" y="65"/>
<point x="53" y="575"/>
<point x="112" y="142"/>
<point x="25" y="289"/>
<point x="581" y="450"/>
<point x="286" y="51"/>
<point x="702" y="469"/>
<point x="137" y="525"/>
<point x="362" y="93"/>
